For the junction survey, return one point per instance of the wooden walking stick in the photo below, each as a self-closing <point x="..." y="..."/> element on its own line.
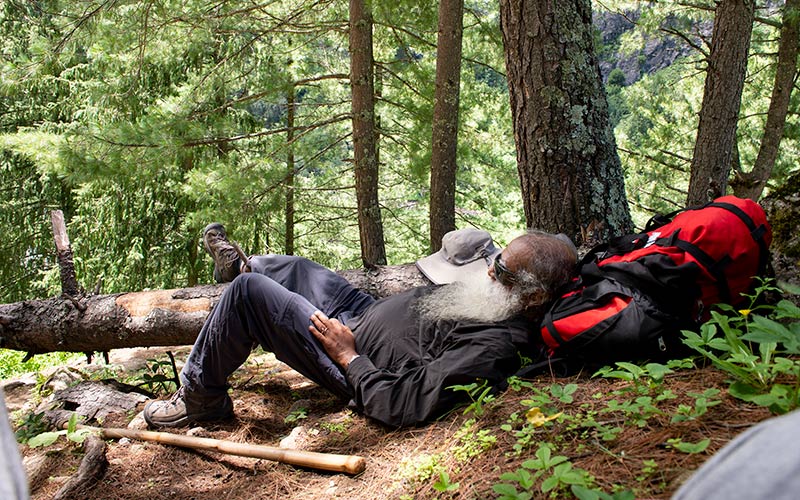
<point x="349" y="464"/>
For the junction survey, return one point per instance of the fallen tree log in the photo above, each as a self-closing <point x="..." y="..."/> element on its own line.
<point x="145" y="319"/>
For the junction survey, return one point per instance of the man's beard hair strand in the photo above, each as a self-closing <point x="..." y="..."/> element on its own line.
<point x="477" y="298"/>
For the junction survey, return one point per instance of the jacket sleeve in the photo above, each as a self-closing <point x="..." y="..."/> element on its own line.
<point x="418" y="394"/>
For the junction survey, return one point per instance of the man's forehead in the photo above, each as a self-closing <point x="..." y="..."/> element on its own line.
<point x="515" y="250"/>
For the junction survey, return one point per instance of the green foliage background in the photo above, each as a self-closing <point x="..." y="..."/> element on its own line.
<point x="143" y="121"/>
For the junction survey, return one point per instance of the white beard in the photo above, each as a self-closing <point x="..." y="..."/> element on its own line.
<point x="478" y="298"/>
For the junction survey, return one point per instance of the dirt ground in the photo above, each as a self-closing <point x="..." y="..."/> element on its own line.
<point x="400" y="463"/>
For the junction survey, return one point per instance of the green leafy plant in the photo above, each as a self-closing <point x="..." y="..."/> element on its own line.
<point x="563" y="393"/>
<point x="756" y="350"/>
<point x="443" y="484"/>
<point x="419" y="468"/>
<point x="161" y="377"/>
<point x="649" y="470"/>
<point x="566" y="475"/>
<point x="538" y="398"/>
<point x="296" y="415"/>
<point x="584" y="493"/>
<point x="557" y="473"/>
<point x="645" y="378"/>
<point x="702" y="402"/>
<point x="690" y="448"/>
<point x="471" y="442"/>
<point x="525" y="429"/>
<point x="479" y="394"/>
<point x="334" y="427"/>
<point x="593" y="428"/>
<point x="541" y="410"/>
<point x="517" y="384"/>
<point x="32" y="425"/>
<point x="509" y="492"/>
<point x="71" y="432"/>
<point x="638" y="410"/>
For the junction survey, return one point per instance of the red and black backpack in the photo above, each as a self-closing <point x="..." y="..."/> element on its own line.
<point x="635" y="293"/>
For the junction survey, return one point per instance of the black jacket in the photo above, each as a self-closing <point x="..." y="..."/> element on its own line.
<point x="406" y="363"/>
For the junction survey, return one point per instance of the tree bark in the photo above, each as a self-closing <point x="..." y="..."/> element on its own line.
<point x="445" y="121"/>
<point x="568" y="165"/>
<point x="373" y="251"/>
<point x="751" y="184"/>
<point x="151" y="318"/>
<point x="290" y="108"/>
<point x="92" y="469"/>
<point x="69" y="283"/>
<point x="716" y="131"/>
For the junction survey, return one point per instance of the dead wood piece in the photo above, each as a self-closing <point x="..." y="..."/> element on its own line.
<point x="90" y="472"/>
<point x="93" y="400"/>
<point x="69" y="283"/>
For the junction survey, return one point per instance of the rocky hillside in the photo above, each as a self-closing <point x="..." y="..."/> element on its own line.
<point x="654" y="52"/>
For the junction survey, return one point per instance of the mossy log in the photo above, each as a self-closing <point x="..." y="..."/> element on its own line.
<point x="148" y="318"/>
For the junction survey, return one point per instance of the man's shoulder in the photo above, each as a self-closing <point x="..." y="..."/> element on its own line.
<point x="518" y="330"/>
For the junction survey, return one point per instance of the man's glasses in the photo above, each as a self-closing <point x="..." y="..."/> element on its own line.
<point x="502" y="273"/>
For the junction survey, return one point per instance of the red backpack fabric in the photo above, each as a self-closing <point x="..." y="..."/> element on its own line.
<point x="635" y="293"/>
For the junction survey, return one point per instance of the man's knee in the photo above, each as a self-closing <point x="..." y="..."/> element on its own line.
<point x="260" y="291"/>
<point x="242" y="280"/>
<point x="246" y="285"/>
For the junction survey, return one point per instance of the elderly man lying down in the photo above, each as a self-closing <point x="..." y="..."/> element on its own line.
<point x="392" y="358"/>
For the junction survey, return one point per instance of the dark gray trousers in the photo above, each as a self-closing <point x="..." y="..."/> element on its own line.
<point x="272" y="306"/>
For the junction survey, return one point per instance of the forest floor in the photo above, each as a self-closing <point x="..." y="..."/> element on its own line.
<point x="644" y="436"/>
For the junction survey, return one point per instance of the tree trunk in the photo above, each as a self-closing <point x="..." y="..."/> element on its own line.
<point x="751" y="184"/>
<point x="370" y="226"/>
<point x="568" y="165"/>
<point x="716" y="131"/>
<point x="190" y="244"/>
<point x="289" y="240"/>
<point x="191" y="250"/>
<point x="445" y="121"/>
<point x="152" y="318"/>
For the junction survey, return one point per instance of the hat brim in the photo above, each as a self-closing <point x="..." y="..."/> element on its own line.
<point x="440" y="272"/>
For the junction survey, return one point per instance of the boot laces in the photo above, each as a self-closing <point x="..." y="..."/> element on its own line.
<point x="178" y="397"/>
<point x="226" y="250"/>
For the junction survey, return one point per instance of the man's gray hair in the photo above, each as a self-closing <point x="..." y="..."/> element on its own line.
<point x="551" y="267"/>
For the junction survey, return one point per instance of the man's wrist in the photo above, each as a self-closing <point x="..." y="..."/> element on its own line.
<point x="349" y="359"/>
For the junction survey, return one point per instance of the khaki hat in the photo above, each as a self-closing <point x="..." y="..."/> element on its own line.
<point x="464" y="251"/>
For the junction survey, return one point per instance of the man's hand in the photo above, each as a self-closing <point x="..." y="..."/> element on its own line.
<point x="337" y="339"/>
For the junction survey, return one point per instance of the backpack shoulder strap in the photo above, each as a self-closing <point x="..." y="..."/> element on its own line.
<point x="659" y="220"/>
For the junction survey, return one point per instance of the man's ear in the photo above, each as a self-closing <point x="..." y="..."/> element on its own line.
<point x="536" y="299"/>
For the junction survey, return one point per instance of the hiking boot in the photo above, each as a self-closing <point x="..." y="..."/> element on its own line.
<point x="184" y="408"/>
<point x="226" y="255"/>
